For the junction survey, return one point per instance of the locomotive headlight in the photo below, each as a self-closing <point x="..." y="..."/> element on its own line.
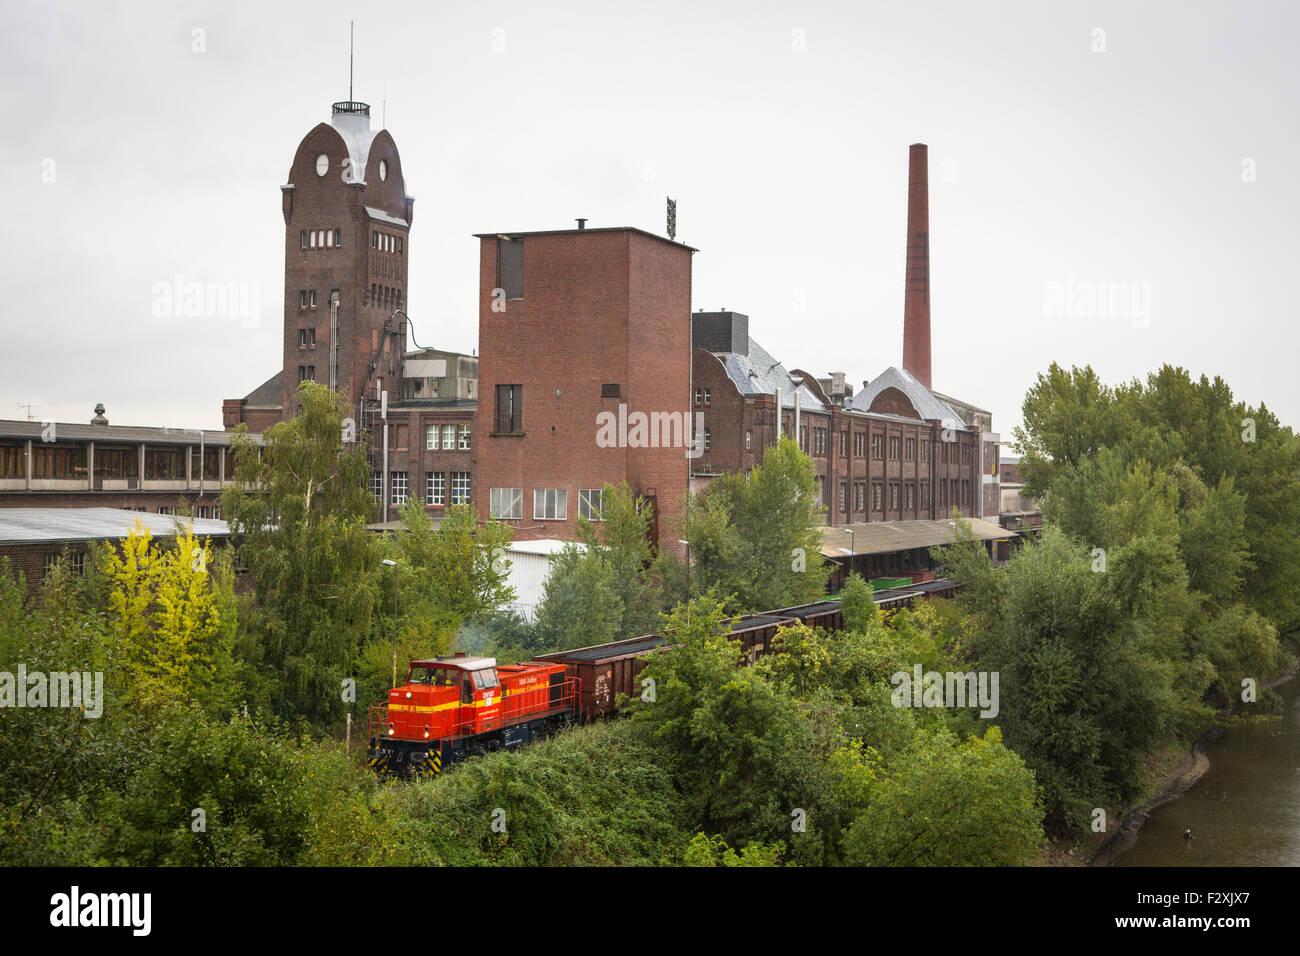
<point x="408" y="694"/>
<point x="426" y="733"/>
<point x="391" y="730"/>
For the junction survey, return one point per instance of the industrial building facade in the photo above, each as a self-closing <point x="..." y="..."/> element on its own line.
<point x="591" y="369"/>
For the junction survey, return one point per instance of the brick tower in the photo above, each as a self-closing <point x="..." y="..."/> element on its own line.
<point x="346" y="241"/>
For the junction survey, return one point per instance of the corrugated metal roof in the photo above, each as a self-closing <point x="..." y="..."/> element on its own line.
<point x="922" y="399"/>
<point x="67" y="431"/>
<point x="53" y="525"/>
<point x="758" y="373"/>
<point x="883" y="537"/>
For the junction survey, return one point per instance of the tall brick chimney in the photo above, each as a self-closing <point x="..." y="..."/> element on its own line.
<point x="916" y="298"/>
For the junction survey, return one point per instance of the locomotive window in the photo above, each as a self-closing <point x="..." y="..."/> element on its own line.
<point x="486" y="679"/>
<point x="437" y="676"/>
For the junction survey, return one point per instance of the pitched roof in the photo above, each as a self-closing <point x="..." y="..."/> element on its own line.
<point x="927" y="405"/>
<point x="758" y="373"/>
<point x="269" y="394"/>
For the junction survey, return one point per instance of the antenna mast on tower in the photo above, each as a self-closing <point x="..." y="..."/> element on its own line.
<point x="352" y="42"/>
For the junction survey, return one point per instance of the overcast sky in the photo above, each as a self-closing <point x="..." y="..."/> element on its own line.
<point x="1076" y="150"/>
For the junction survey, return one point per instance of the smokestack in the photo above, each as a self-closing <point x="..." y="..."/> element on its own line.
<point x="916" y="297"/>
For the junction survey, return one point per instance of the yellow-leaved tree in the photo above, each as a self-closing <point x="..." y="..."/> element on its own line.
<point x="164" y="615"/>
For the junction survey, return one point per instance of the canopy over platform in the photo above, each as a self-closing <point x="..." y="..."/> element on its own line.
<point x="884" y="537"/>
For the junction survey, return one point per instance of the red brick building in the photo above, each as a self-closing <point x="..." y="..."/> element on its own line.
<point x="347" y="244"/>
<point x="584" y="374"/>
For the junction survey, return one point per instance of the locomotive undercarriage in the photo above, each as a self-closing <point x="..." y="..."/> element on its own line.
<point x="391" y="757"/>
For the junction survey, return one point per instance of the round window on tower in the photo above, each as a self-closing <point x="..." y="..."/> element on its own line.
<point x="322" y="164"/>
<point x="383" y="169"/>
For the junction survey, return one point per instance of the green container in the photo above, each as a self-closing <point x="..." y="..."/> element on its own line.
<point x="880" y="584"/>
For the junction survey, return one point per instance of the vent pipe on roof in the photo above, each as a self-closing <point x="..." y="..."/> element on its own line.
<point x="582" y="223"/>
<point x="99" y="418"/>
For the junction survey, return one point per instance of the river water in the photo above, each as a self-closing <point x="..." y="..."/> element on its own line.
<point x="1245" y="811"/>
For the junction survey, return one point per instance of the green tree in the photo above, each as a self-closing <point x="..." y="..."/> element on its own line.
<point x="299" y="505"/>
<point x="949" y="804"/>
<point x="758" y="536"/>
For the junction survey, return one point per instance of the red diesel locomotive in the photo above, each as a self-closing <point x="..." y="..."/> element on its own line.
<point x="451" y="708"/>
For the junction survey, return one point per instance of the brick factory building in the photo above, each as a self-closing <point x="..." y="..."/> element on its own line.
<point x="591" y="369"/>
<point x="582" y="332"/>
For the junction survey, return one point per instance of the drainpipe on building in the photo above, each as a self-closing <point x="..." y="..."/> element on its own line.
<point x="778" y="415"/>
<point x="383" y="476"/>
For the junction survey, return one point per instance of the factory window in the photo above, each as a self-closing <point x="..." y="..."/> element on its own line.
<point x="749" y="438"/>
<point x="399" y="245"/>
<point x="13" y="461"/>
<point x="306" y="373"/>
<point x="311" y="239"/>
<point x="894" y="445"/>
<point x="164" y="464"/>
<point x="925" y="449"/>
<point x="909" y="496"/>
<point x="859" y="495"/>
<point x="374" y="240"/>
<point x="610" y="390"/>
<point x="329" y="239"/>
<point x="398" y="484"/>
<point x="506" y="503"/>
<point x="61" y="462"/>
<point x="202" y="511"/>
<point x="875" y="496"/>
<point x="844" y="444"/>
<point x="302" y="299"/>
<point x="338" y="237"/>
<point x="844" y="495"/>
<point x="460" y="488"/>
<point x="306" y="338"/>
<point x="803" y="438"/>
<point x="208" y="469"/>
<point x="925" y="495"/>
<point x="448" y="437"/>
<point x="893" y="495"/>
<point x="311" y="298"/>
<point x="550" y="504"/>
<point x="435" y="489"/>
<point x="859" y="445"/>
<point x="430" y="436"/>
<point x="877" y="447"/>
<point x="462" y="438"/>
<point x="376" y="485"/>
<point x="911" y="449"/>
<point x="302" y="236"/>
<point x="591" y="503"/>
<point x="510" y="267"/>
<point x="510" y="408"/>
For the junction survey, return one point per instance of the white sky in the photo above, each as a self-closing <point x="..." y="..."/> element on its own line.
<point x="1049" y="163"/>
